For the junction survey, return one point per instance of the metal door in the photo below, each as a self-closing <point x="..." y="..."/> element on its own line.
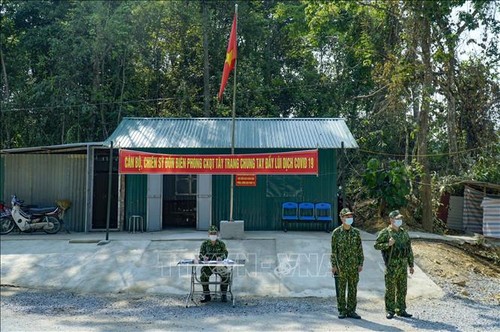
<point x="204" y="202"/>
<point x="100" y="191"/>
<point x="154" y="202"/>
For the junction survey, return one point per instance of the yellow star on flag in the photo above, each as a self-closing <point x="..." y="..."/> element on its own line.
<point x="229" y="57"/>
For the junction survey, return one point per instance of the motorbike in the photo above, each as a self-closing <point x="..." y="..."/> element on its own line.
<point x="6" y="220"/>
<point x="48" y="219"/>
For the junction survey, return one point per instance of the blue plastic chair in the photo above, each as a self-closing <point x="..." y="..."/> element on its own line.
<point x="289" y="212"/>
<point x="323" y="211"/>
<point x="306" y="211"/>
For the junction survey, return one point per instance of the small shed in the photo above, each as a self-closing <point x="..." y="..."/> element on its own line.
<point x="475" y="211"/>
<point x="41" y="175"/>
<point x="491" y="217"/>
<point x="199" y="200"/>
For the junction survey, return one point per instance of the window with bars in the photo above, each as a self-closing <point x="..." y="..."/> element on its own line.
<point x="185" y="184"/>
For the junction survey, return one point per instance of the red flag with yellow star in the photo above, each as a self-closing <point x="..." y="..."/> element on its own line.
<point x="230" y="62"/>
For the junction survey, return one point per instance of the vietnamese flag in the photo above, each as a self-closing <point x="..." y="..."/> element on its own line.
<point x="230" y="62"/>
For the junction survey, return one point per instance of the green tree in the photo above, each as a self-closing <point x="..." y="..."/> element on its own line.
<point x="388" y="184"/>
<point x="70" y="70"/>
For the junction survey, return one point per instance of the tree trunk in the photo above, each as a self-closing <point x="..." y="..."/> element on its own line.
<point x="422" y="139"/>
<point x="122" y="88"/>
<point x="451" y="118"/>
<point x="449" y="90"/>
<point x="5" y="99"/>
<point x="4" y="74"/>
<point x="94" y="99"/>
<point x="102" y="110"/>
<point x="206" y="68"/>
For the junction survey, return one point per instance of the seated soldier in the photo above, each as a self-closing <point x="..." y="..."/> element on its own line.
<point x="213" y="250"/>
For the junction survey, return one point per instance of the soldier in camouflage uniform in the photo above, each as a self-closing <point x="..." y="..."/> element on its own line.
<point x="212" y="250"/>
<point x="395" y="244"/>
<point x="347" y="261"/>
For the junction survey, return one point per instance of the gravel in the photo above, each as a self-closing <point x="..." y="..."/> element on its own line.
<point x="50" y="310"/>
<point x="477" y="288"/>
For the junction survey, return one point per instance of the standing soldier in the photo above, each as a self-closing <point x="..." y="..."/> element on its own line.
<point x="395" y="244"/>
<point x="213" y="250"/>
<point x="347" y="261"/>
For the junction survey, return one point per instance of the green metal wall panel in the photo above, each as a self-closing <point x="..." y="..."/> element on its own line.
<point x="220" y="198"/>
<point x="135" y="196"/>
<point x="321" y="188"/>
<point x="261" y="212"/>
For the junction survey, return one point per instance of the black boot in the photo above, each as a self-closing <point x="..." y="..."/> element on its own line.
<point x="207" y="298"/>
<point x="353" y="315"/>
<point x="403" y="313"/>
<point x="223" y="298"/>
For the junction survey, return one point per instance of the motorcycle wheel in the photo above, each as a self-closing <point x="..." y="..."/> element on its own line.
<point x="55" y="228"/>
<point x="6" y="225"/>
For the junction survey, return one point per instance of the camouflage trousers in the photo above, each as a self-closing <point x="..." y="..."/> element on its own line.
<point x="396" y="284"/>
<point x="347" y="280"/>
<point x="207" y="271"/>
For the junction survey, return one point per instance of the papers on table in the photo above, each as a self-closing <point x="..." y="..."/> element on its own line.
<point x="212" y="262"/>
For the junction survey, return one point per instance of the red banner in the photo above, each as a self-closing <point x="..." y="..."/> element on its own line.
<point x="296" y="162"/>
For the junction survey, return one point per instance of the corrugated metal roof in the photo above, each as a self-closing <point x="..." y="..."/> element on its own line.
<point x="295" y="133"/>
<point x="61" y="148"/>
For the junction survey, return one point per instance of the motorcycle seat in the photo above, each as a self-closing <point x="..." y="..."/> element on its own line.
<point x="42" y="210"/>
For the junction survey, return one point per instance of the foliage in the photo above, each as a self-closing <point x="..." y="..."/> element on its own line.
<point x="486" y="167"/>
<point x="482" y="169"/>
<point x="389" y="184"/>
<point x="71" y="70"/>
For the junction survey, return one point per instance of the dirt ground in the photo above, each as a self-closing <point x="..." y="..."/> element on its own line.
<point x="461" y="268"/>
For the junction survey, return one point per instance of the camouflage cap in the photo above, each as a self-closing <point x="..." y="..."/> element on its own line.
<point x="344" y="212"/>
<point x="213" y="229"/>
<point x="395" y="214"/>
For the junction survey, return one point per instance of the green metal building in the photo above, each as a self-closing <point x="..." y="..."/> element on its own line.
<point x="198" y="200"/>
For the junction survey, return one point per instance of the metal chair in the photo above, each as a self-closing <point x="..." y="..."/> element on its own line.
<point x="135" y="222"/>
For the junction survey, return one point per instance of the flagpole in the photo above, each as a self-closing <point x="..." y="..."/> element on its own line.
<point x="231" y="198"/>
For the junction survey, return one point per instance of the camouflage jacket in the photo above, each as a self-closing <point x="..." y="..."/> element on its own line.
<point x="347" y="250"/>
<point x="212" y="251"/>
<point x="401" y="249"/>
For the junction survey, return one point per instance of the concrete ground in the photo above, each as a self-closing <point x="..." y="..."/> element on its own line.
<point x="278" y="264"/>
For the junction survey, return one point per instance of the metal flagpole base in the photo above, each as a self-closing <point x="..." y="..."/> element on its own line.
<point x="232" y="229"/>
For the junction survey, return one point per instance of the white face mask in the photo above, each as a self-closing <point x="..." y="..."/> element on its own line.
<point x="349" y="221"/>
<point x="398" y="222"/>
<point x="212" y="237"/>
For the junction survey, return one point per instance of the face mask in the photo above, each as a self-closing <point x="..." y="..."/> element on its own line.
<point x="349" y="221"/>
<point x="398" y="222"/>
<point x="212" y="237"/>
